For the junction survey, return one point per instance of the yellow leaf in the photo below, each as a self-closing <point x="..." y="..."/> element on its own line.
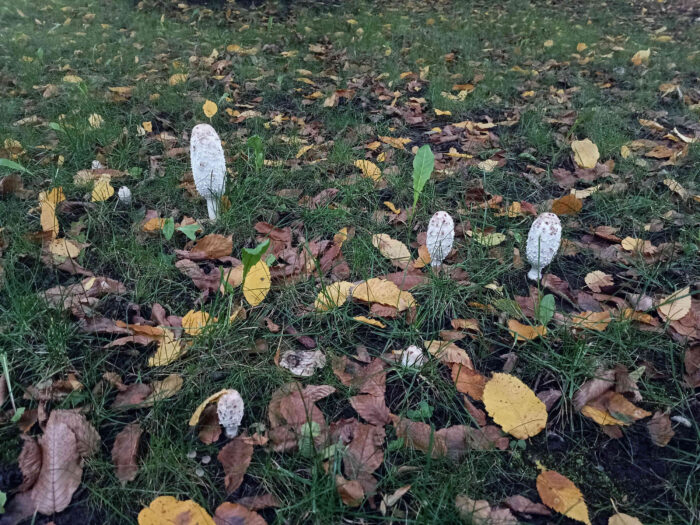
<point x="567" y="205"/>
<point x="440" y="112"/>
<point x="303" y="150"/>
<point x="641" y="57"/>
<point x="153" y="225"/>
<point x="675" y="306"/>
<point x="369" y="169"/>
<point x="488" y="239"/>
<point x="47" y="203"/>
<point x="257" y="283"/>
<point x="423" y="257"/>
<point x="396" y="142"/>
<point x="147" y="126"/>
<point x="675" y="187"/>
<point x="177" y="78"/>
<point x="514" y="406"/>
<point x="169" y="349"/>
<point x="164" y="389"/>
<point x="103" y="190"/>
<point x="64" y="248"/>
<point x="488" y="165"/>
<point x="166" y="510"/>
<point x="392" y="249"/>
<point x="631" y="244"/>
<point x="625" y="152"/>
<point x="525" y="331"/>
<point x="597" y="280"/>
<point x="195" y="321"/>
<point x="586" y="153"/>
<point x="623" y="519"/>
<point x="384" y="292"/>
<point x="367" y="320"/>
<point x="209" y="108"/>
<point x="72" y="79"/>
<point x="211" y="399"/>
<point x="95" y="120"/>
<point x="581" y="47"/>
<point x="559" y="493"/>
<point x="333" y="296"/>
<point x="341" y="236"/>
<point x="600" y="416"/>
<point x="548" y="43"/>
<point x="597" y="321"/>
<point x="651" y="124"/>
<point x="392" y="207"/>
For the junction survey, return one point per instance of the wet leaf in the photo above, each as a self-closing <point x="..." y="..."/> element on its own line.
<point x="513" y="406"/>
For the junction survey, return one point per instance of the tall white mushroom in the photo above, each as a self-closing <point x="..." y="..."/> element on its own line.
<point x="542" y="243"/>
<point x="441" y="234"/>
<point x="229" y="408"/>
<point x="208" y="166"/>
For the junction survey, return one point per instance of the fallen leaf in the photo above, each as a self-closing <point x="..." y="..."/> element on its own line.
<point x="675" y="306"/>
<point x="351" y="492"/>
<point x="257" y="283"/>
<point x="597" y="321"/>
<point x="194" y="419"/>
<point x="29" y="462"/>
<point x="488" y="239"/>
<point x="333" y="296"/>
<point x="623" y="519"/>
<point x="195" y="322"/>
<point x="395" y="142"/>
<point x="488" y="165"/>
<point x="560" y="494"/>
<point x="163" y="389"/>
<point x="675" y="187"/>
<point x="302" y="363"/>
<point x="480" y="512"/>
<point x="596" y="280"/>
<point x="214" y="246"/>
<point x="177" y="78"/>
<point x="367" y="320"/>
<point x="660" y="429"/>
<point x="124" y="452"/>
<point x="523" y="505"/>
<point x="103" y="190"/>
<point x="235" y="457"/>
<point x="385" y="292"/>
<point x="567" y="205"/>
<point x="525" y="331"/>
<point x="369" y="169"/>
<point x="514" y="406"/>
<point x="586" y="153"/>
<point x="392" y="249"/>
<point x="234" y="514"/>
<point x="169" y="349"/>
<point x="64" y="248"/>
<point x="641" y="57"/>
<point x="166" y="510"/>
<point x="210" y="108"/>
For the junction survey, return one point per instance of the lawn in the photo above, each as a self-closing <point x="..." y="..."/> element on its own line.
<point x="586" y="380"/>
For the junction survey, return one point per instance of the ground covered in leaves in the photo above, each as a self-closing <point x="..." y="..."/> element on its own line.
<point x="376" y="387"/>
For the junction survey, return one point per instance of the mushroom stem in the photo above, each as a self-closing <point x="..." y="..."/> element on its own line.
<point x="213" y="207"/>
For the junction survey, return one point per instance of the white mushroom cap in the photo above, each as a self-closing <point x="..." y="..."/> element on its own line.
<point x="542" y="243"/>
<point x="124" y="195"/>
<point x="96" y="165"/>
<point x="230" y="411"/>
<point x="441" y="234"/>
<point x="413" y="356"/>
<point x="208" y="166"/>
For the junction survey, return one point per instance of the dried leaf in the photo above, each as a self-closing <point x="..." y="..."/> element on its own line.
<point x="525" y="331"/>
<point x="567" y="205"/>
<point x="623" y="519"/>
<point x="333" y="296"/>
<point x="597" y="280"/>
<point x="302" y="363"/>
<point x="210" y="108"/>
<point x="194" y="322"/>
<point x="29" y="462"/>
<point x="660" y="429"/>
<point x="514" y="407"/>
<point x="597" y="321"/>
<point x="524" y="505"/>
<point x="124" y="452"/>
<point x="675" y="306"/>
<point x="385" y="292"/>
<point x="586" y="154"/>
<point x="560" y="494"/>
<point x="350" y="491"/>
<point x="102" y="191"/>
<point x="169" y="349"/>
<point x="164" y="389"/>
<point x="235" y="458"/>
<point x="369" y="169"/>
<point x="367" y="320"/>
<point x="235" y="514"/>
<point x="394" y="250"/>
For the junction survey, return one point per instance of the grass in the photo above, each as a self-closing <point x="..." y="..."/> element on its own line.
<point x="505" y="42"/>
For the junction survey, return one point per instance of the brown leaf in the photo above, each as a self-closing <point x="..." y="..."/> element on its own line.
<point x="567" y="205"/>
<point x="420" y="436"/>
<point x="134" y="394"/>
<point x="660" y="430"/>
<point x="207" y="282"/>
<point x="210" y="246"/>
<point x="604" y="381"/>
<point x="487" y="438"/>
<point x="479" y="512"/>
<point x="209" y="427"/>
<point x="560" y="494"/>
<point x="371" y="408"/>
<point x="61" y="469"/>
<point x="468" y="381"/>
<point x="236" y="514"/>
<point x="29" y="463"/>
<point x="235" y="458"/>
<point x="350" y="491"/>
<point x="262" y="501"/>
<point x="365" y="454"/>
<point x="87" y="438"/>
<point x="692" y="366"/>
<point x="124" y="452"/>
<point x="523" y="505"/>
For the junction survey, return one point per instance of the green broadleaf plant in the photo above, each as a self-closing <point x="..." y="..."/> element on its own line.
<point x="251" y="256"/>
<point x="423" y="164"/>
<point x="7" y="163"/>
<point x="544" y="310"/>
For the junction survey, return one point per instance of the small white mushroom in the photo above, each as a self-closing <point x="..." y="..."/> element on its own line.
<point x="208" y="166"/>
<point x="230" y="412"/>
<point x="542" y="243"/>
<point x="441" y="234"/>
<point x="124" y="195"/>
<point x="96" y="165"/>
<point x="413" y="356"/>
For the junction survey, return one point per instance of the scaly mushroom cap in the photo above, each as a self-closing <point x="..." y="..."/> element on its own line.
<point x="124" y="195"/>
<point x="230" y="411"/>
<point x="542" y="243"/>
<point x="208" y="164"/>
<point x="441" y="234"/>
